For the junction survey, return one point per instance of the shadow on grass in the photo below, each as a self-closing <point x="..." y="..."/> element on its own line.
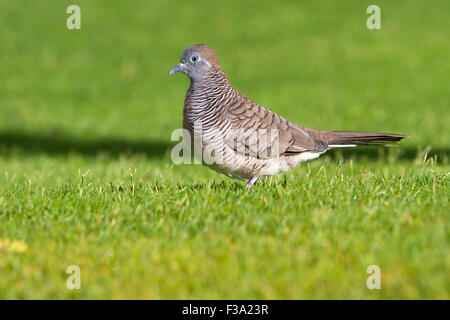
<point x="399" y="152"/>
<point x="60" y="144"/>
<point x="56" y="144"/>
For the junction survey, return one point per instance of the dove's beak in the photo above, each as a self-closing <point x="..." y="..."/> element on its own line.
<point x="179" y="68"/>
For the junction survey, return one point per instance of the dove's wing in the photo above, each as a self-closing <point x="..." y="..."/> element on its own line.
<point x="261" y="133"/>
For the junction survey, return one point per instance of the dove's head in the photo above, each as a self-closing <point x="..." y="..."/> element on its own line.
<point x="197" y="61"/>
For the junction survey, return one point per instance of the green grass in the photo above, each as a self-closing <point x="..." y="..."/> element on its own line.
<point x="86" y="177"/>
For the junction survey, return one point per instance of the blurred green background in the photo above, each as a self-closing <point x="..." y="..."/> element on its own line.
<point x="81" y="110"/>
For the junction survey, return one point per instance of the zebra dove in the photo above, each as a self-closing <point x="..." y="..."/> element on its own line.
<point x="242" y="139"/>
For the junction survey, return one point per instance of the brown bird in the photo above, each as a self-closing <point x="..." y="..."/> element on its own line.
<point x="243" y="139"/>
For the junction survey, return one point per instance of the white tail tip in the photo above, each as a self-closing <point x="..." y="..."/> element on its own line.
<point x="341" y="145"/>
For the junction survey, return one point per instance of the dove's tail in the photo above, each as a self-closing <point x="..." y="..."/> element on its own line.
<point x="336" y="139"/>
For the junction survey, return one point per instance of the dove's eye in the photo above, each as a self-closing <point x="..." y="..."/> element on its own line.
<point x="194" y="58"/>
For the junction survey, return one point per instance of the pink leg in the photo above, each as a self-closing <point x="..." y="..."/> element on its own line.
<point x="251" y="182"/>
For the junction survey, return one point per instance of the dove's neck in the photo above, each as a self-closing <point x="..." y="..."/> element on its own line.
<point x="209" y="91"/>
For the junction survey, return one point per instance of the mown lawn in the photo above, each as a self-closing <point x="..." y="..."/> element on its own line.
<point x="86" y="177"/>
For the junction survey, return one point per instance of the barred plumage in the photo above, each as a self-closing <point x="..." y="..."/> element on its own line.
<point x="243" y="139"/>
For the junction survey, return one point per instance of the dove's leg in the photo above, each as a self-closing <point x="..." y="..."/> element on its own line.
<point x="251" y="182"/>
